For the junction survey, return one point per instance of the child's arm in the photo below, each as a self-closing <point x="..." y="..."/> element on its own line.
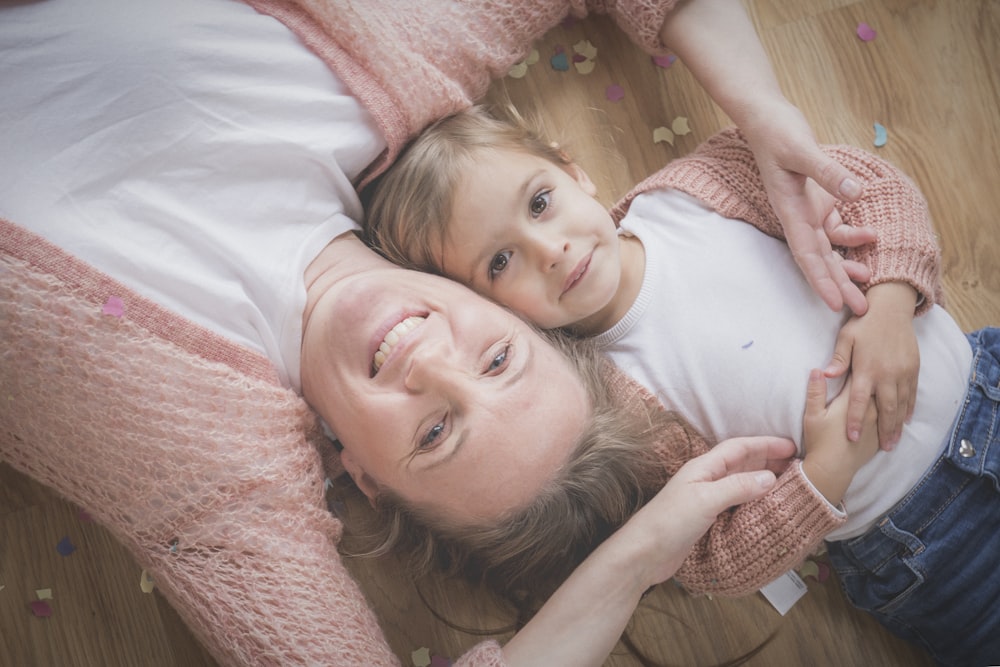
<point x="831" y="460"/>
<point x="755" y="543"/>
<point x="723" y="174"/>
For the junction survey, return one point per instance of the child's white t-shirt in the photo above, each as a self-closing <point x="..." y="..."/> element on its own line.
<point x="726" y="329"/>
<point x="194" y="150"/>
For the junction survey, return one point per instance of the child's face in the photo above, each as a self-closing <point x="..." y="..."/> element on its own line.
<point x="529" y="234"/>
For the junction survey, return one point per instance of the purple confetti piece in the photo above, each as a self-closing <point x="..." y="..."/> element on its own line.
<point x="664" y="61"/>
<point x="579" y="58"/>
<point x="865" y="32"/>
<point x="41" y="608"/>
<point x="615" y="93"/>
<point x="114" y="307"/>
<point x="65" y="547"/>
<point x="440" y="661"/>
<point x="746" y="346"/>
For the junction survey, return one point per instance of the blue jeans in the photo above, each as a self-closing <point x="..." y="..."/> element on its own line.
<point x="929" y="570"/>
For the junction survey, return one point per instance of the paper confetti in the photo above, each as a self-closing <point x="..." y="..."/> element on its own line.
<point x="439" y="661"/>
<point x="746" y="346"/>
<point x="680" y="126"/>
<point x="560" y="62"/>
<point x="584" y="66"/>
<point x="41" y="609"/>
<point x="615" y="93"/>
<point x="146" y="583"/>
<point x="44" y="594"/>
<point x="664" y="61"/>
<point x="585" y="49"/>
<point x="114" y="307"/>
<point x="520" y="69"/>
<point x="65" y="547"/>
<point x="881" y="135"/>
<point x="663" y="134"/>
<point x="865" y="32"/>
<point x="84" y="517"/>
<point x="809" y="569"/>
<point x="421" y="657"/>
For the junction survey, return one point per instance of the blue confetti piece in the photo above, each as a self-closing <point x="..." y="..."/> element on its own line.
<point x="881" y="136"/>
<point x="65" y="547"/>
<point x="746" y="346"/>
<point x="560" y="62"/>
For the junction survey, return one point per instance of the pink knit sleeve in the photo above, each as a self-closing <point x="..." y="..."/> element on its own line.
<point x="754" y="543"/>
<point x="723" y="174"/>
<point x="412" y="63"/>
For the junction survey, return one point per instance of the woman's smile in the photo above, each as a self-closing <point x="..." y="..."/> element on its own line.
<point x="387" y="343"/>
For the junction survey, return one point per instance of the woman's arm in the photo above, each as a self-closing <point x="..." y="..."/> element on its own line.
<point x="718" y="43"/>
<point x="572" y="628"/>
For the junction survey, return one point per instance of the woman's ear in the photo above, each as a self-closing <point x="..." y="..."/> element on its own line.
<point x="364" y="481"/>
<point x="581" y="177"/>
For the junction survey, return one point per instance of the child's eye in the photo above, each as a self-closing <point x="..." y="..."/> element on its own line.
<point x="499" y="263"/>
<point x="499" y="361"/>
<point x="540" y="202"/>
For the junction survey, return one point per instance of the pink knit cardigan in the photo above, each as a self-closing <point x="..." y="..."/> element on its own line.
<point x="189" y="450"/>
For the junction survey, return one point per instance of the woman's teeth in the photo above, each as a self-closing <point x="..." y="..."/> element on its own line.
<point x="391" y="338"/>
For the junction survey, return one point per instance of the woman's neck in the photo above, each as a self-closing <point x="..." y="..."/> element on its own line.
<point x="633" y="267"/>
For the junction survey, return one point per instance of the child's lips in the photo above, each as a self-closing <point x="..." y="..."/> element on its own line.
<point x="573" y="279"/>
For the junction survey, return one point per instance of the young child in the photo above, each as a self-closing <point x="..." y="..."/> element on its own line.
<point x="715" y="319"/>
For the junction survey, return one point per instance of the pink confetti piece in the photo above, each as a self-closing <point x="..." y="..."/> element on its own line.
<point x="65" y="547"/>
<point x="114" y="307"/>
<point x="84" y="517"/>
<point x="560" y="62"/>
<point x="440" y="661"/>
<point x="824" y="571"/>
<point x="664" y="61"/>
<point x="865" y="32"/>
<point x="615" y="93"/>
<point x="579" y="58"/>
<point x="40" y="608"/>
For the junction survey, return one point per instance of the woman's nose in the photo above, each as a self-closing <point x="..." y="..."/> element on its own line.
<point x="432" y="367"/>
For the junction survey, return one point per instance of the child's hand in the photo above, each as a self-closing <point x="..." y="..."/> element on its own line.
<point x="831" y="460"/>
<point x="880" y="349"/>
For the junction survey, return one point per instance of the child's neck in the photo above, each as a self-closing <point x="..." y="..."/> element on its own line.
<point x="633" y="267"/>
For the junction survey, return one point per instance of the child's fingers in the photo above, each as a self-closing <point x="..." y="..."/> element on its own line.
<point x="815" y="394"/>
<point x="856" y="271"/>
<point x="861" y="397"/>
<point x="843" y="350"/>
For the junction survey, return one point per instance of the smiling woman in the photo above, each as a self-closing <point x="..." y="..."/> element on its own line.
<point x="464" y="376"/>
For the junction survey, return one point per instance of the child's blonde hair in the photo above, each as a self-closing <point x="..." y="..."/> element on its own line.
<point x="411" y="204"/>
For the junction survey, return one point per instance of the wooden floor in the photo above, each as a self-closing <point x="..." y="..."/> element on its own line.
<point x="931" y="77"/>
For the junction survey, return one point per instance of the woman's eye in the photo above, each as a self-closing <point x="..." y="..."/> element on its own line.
<point x="430" y="439"/>
<point x="499" y="361"/>
<point x="499" y="263"/>
<point x="540" y="202"/>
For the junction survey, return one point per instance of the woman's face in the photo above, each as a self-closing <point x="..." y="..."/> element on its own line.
<point x="438" y="394"/>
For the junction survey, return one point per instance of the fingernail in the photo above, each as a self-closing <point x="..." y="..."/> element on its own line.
<point x="765" y="479"/>
<point x="853" y="435"/>
<point x="849" y="188"/>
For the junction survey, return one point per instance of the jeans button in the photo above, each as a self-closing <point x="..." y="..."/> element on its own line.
<point x="966" y="449"/>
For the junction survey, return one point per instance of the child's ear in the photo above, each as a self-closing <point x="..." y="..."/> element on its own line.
<point x="581" y="177"/>
<point x="364" y="481"/>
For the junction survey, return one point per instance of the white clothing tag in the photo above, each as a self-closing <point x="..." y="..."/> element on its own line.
<point x="785" y="591"/>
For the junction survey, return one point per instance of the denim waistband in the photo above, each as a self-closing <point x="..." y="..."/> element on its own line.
<point x="971" y="451"/>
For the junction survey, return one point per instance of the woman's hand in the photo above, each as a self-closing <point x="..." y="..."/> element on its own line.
<point x="880" y="350"/>
<point x="582" y="621"/>
<point x="790" y="161"/>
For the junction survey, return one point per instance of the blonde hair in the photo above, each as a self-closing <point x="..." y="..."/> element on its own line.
<point x="613" y="471"/>
<point x="409" y="207"/>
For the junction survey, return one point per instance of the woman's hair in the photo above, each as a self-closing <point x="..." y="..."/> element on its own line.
<point x="409" y="207"/>
<point x="613" y="471"/>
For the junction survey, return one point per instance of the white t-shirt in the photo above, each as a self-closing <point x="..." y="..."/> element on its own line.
<point x="195" y="150"/>
<point x="726" y="329"/>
